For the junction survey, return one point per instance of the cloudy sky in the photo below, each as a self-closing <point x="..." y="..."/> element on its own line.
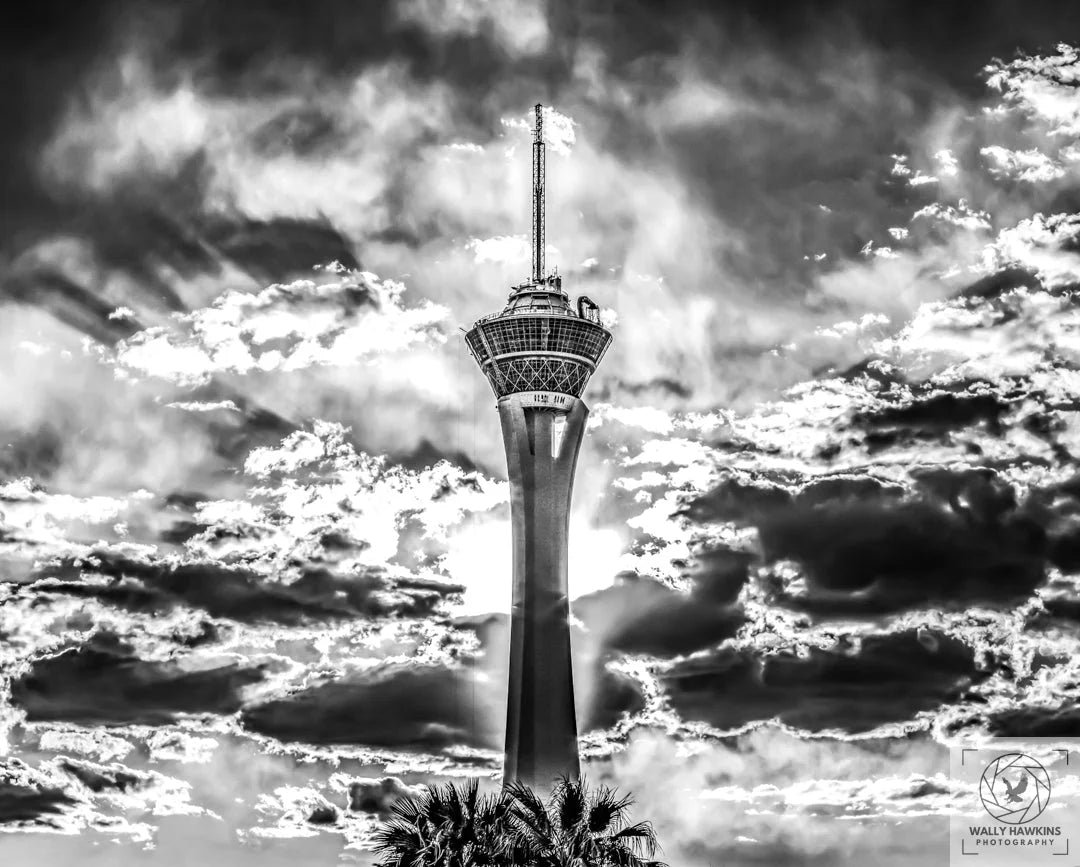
<point x="254" y="527"/>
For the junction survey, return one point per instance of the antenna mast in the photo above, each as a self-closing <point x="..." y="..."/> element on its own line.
<point x="538" y="233"/>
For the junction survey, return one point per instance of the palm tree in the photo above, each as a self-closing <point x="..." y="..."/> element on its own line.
<point x="452" y="827"/>
<point x="446" y="827"/>
<point x="576" y="828"/>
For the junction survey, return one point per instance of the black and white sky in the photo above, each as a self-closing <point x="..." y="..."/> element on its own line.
<point x="254" y="527"/>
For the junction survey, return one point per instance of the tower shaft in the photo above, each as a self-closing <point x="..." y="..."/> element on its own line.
<point x="541" y="723"/>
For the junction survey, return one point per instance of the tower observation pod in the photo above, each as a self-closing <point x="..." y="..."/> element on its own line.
<point x="538" y="354"/>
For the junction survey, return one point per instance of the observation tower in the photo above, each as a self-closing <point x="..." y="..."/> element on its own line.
<point x="538" y="353"/>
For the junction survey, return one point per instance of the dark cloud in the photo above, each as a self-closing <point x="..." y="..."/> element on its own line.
<point x="105" y="683"/>
<point x="45" y="49"/>
<point x="874" y="369"/>
<point x="775" y="853"/>
<point x="1054" y="721"/>
<point x="161" y="255"/>
<point x="613" y="697"/>
<point x="718" y="574"/>
<point x="70" y="302"/>
<point x="933" y="416"/>
<point x="40" y="451"/>
<point x="234" y="433"/>
<point x="20" y="802"/>
<point x="272" y="250"/>
<point x="1001" y="282"/>
<point x="887" y="678"/>
<point x="425" y="706"/>
<point x="35" y="454"/>
<point x="239" y="594"/>
<point x="378" y="796"/>
<point x="657" y="388"/>
<point x="401" y="707"/>
<point x="641" y="615"/>
<point x="871" y="547"/>
<point x="1059" y="606"/>
<point x="1057" y="507"/>
<point x="151" y="233"/>
<point x="101" y="778"/>
<point x="427" y="454"/>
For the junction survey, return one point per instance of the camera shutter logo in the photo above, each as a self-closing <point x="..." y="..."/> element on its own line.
<point x="1015" y="788"/>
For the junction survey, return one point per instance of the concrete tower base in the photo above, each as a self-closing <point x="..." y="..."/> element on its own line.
<point x="541" y="726"/>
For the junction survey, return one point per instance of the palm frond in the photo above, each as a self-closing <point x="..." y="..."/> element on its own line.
<point x="626" y="858"/>
<point x="640" y="836"/>
<point x="408" y="809"/>
<point x="470" y="794"/>
<point x="526" y="804"/>
<point x="398" y="831"/>
<point x="607" y="810"/>
<point x="401" y="843"/>
<point x="529" y="830"/>
<point x="570" y="801"/>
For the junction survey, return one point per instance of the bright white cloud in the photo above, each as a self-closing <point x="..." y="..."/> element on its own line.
<point x="1042" y="243"/>
<point x="559" y="135"/>
<point x="284" y="327"/>
<point x="1032" y="165"/>
<point x="520" y="26"/>
<point x="947" y="163"/>
<point x="314" y="482"/>
<point x="960" y="215"/>
<point x="1043" y="88"/>
<point x="504" y="248"/>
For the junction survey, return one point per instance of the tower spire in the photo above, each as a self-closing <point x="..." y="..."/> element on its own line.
<point x="538" y="234"/>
